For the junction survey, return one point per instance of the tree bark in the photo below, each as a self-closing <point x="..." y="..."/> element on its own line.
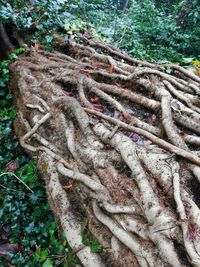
<point x="183" y="13"/>
<point x="6" y="46"/>
<point x="110" y="136"/>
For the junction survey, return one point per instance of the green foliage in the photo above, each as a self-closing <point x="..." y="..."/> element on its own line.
<point x="43" y="19"/>
<point x="30" y="222"/>
<point x="89" y="240"/>
<point x="147" y="29"/>
<point x="8" y="141"/>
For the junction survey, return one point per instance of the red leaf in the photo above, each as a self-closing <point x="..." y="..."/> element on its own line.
<point x="98" y="68"/>
<point x="134" y="137"/>
<point x="110" y="69"/>
<point x="95" y="99"/>
<point x="12" y="165"/>
<point x="70" y="185"/>
<point x="138" y="140"/>
<point x="193" y="232"/>
<point x="99" y="107"/>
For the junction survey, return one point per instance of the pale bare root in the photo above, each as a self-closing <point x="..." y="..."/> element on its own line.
<point x="115" y="140"/>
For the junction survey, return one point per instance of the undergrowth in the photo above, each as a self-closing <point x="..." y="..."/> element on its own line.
<point x="146" y="29"/>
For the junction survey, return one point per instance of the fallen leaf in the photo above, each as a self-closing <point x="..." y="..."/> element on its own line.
<point x="138" y="140"/>
<point x="13" y="165"/>
<point x="98" y="68"/>
<point x="37" y="46"/>
<point x="99" y="107"/>
<point x="134" y="137"/>
<point x="142" y="142"/>
<point x="197" y="71"/>
<point x="95" y="99"/>
<point x="44" y="166"/>
<point x="110" y="69"/>
<point x="70" y="185"/>
<point x="193" y="232"/>
<point x="5" y="249"/>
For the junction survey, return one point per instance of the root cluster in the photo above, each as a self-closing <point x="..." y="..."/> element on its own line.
<point x="116" y="140"/>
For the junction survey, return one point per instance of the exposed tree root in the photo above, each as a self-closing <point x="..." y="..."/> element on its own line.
<point x="116" y="141"/>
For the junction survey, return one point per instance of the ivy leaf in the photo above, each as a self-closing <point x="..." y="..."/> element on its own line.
<point x="7" y="130"/>
<point x="43" y="255"/>
<point x="40" y="255"/>
<point x="1" y="213"/>
<point x="168" y="70"/>
<point x="48" y="263"/>
<point x="187" y="60"/>
<point x="96" y="247"/>
<point x="2" y="83"/>
<point x="85" y="240"/>
<point x="9" y="96"/>
<point x="12" y="56"/>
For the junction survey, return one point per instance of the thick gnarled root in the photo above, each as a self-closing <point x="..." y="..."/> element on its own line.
<point x="115" y="139"/>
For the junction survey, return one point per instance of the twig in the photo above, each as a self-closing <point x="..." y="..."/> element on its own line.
<point x="10" y="173"/>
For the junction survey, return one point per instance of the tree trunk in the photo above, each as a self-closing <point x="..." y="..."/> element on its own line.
<point x="183" y="13"/>
<point x="116" y="139"/>
<point x="6" y="47"/>
<point x="123" y="5"/>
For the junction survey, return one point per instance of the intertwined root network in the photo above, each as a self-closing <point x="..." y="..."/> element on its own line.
<point x="116" y="140"/>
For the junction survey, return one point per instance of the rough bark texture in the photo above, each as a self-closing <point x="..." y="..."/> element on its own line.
<point x="116" y="140"/>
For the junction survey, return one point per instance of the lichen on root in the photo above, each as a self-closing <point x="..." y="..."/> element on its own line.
<point x="123" y="133"/>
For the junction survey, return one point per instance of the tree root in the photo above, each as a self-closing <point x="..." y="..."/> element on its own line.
<point x="123" y="134"/>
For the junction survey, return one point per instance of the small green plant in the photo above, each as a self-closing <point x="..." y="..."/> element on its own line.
<point x="90" y="240"/>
